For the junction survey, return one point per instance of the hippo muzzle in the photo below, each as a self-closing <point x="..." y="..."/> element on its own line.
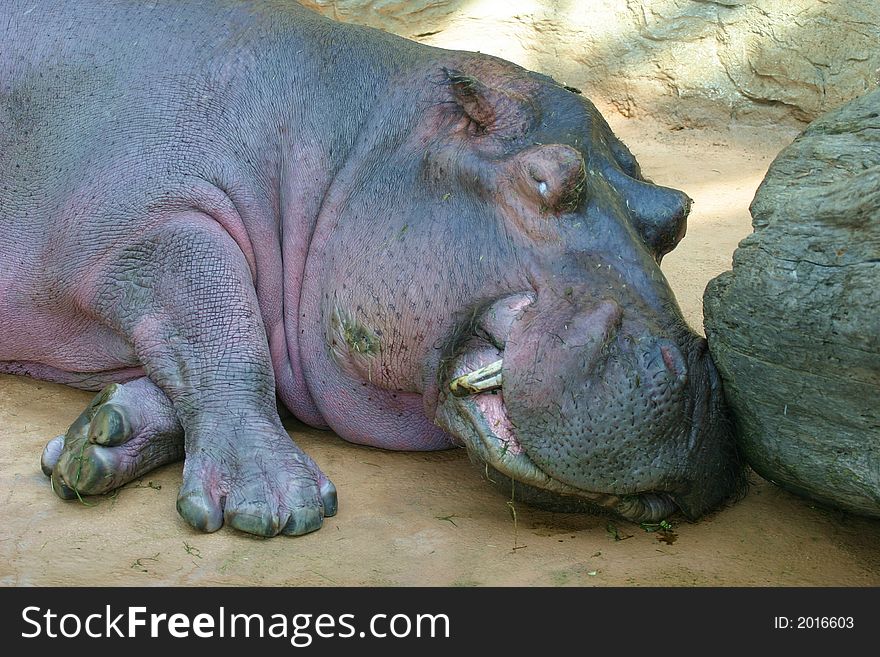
<point x="596" y="408"/>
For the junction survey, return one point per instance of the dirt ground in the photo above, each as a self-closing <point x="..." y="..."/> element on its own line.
<point x="430" y="518"/>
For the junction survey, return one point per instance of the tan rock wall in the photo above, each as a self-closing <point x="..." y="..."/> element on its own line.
<point x="689" y="62"/>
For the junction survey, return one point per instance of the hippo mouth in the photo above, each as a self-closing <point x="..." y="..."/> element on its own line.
<point x="474" y="411"/>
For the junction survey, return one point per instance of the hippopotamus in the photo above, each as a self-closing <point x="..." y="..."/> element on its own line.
<point x="214" y="212"/>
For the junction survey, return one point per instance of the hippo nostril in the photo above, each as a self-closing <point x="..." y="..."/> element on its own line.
<point x="594" y="329"/>
<point x="673" y="360"/>
<point x="662" y="355"/>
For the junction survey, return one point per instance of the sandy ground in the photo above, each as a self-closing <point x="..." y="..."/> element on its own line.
<point x="431" y="519"/>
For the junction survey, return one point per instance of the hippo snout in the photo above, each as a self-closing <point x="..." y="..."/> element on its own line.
<point x="587" y="402"/>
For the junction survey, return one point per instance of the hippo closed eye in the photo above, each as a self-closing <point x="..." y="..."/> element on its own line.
<point x="415" y="247"/>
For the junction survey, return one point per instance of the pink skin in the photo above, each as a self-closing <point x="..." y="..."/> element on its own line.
<point x="300" y="205"/>
<point x="32" y="323"/>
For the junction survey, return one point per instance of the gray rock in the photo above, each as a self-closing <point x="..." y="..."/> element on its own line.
<point x="795" y="327"/>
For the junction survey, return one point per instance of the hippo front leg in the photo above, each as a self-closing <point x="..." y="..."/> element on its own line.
<point x="184" y="296"/>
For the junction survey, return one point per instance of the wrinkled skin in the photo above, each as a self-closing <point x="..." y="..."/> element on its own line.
<point x="350" y="223"/>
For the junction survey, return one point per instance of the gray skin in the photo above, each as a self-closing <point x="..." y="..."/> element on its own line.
<point x="211" y="207"/>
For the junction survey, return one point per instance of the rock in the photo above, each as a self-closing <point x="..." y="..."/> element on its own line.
<point x="795" y="327"/>
<point x="688" y="62"/>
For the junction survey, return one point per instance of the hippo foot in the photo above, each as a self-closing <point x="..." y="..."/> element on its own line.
<point x="258" y="482"/>
<point x="127" y="430"/>
<point x="262" y="485"/>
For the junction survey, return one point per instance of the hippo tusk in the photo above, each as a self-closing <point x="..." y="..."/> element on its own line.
<point x="481" y="380"/>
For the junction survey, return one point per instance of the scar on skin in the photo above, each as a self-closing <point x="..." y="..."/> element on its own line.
<point x="359" y="339"/>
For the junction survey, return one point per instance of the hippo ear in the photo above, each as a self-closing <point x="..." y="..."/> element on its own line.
<point x="491" y="110"/>
<point x="552" y="176"/>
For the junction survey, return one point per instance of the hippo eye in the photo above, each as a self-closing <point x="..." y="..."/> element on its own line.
<point x="556" y="173"/>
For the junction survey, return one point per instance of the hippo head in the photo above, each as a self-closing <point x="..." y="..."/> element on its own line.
<point x="485" y="272"/>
